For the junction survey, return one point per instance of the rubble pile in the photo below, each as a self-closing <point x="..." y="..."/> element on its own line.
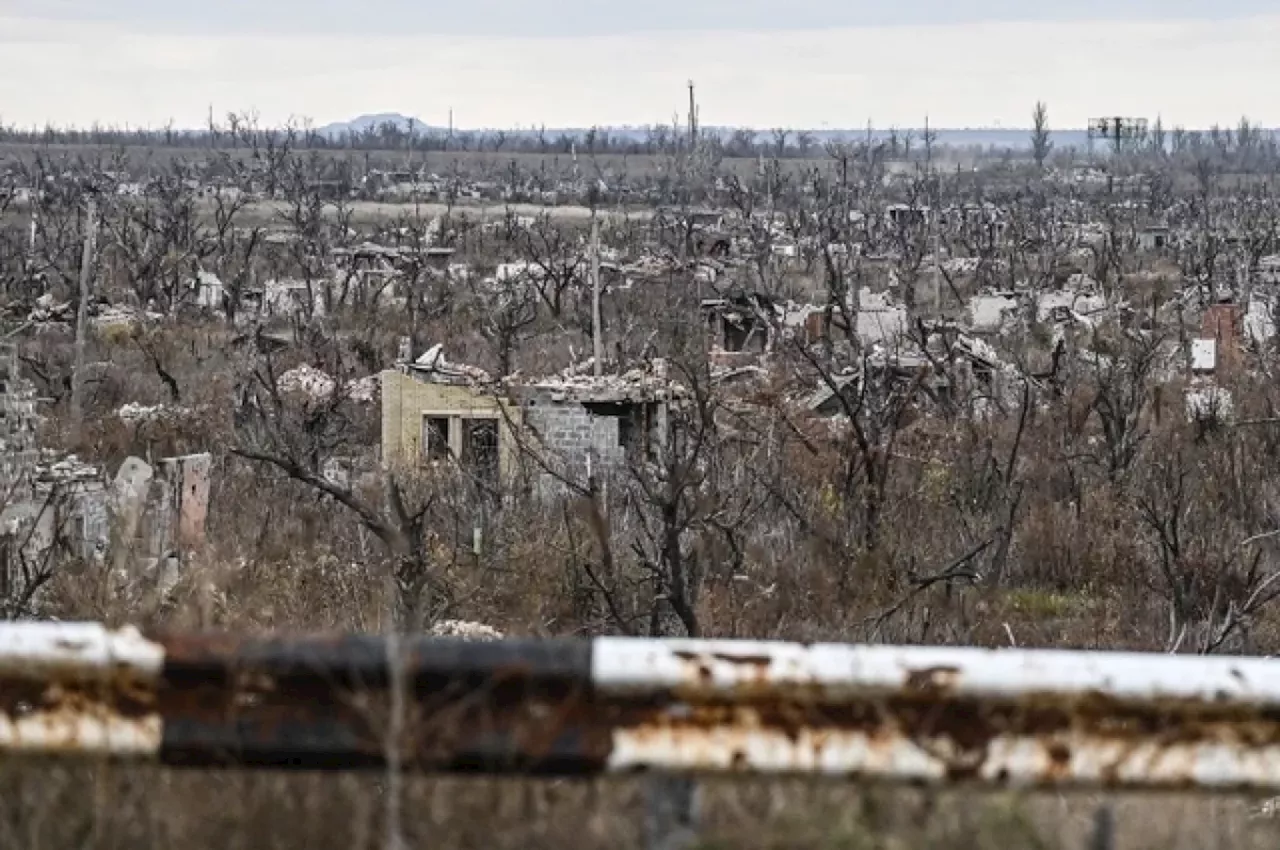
<point x="309" y="381"/>
<point x="651" y="383"/>
<point x="119" y="315"/>
<point x="144" y="414"/>
<point x="364" y="390"/>
<point x="46" y="311"/>
<point x="464" y="630"/>
<point x="67" y="469"/>
<point x="317" y="385"/>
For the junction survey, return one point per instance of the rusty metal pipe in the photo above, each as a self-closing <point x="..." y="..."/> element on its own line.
<point x="906" y="714"/>
<point x="733" y="669"/>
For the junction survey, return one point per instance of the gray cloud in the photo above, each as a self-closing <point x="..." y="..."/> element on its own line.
<point x="599" y="17"/>
<point x="1195" y="72"/>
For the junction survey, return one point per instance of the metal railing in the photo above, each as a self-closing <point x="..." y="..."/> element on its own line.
<point x="619" y="705"/>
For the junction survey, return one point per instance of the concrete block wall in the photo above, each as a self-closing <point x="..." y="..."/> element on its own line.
<point x="571" y="433"/>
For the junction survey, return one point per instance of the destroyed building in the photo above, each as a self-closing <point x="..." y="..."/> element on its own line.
<point x="60" y="506"/>
<point x="434" y="411"/>
<point x="47" y="500"/>
<point x="740" y="323"/>
<point x="1155" y="237"/>
<point x="19" y="421"/>
<point x="598" y="422"/>
<point x="375" y="265"/>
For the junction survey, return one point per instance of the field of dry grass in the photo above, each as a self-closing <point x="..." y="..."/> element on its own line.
<point x="801" y="535"/>
<point x="148" y="809"/>
<point x="638" y="165"/>
<point x="375" y="212"/>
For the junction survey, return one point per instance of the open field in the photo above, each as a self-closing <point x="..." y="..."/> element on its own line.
<point x="373" y="212"/>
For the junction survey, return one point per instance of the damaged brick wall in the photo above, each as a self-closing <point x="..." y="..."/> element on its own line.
<point x="572" y="432"/>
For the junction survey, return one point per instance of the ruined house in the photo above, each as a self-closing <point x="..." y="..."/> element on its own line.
<point x="62" y="507"/>
<point x="598" y="422"/>
<point x="19" y="422"/>
<point x="740" y="323"/>
<point x="992" y="312"/>
<point x="376" y="266"/>
<point x="434" y="412"/>
<point x="46" y="500"/>
<point x="1153" y="238"/>
<point x="879" y="320"/>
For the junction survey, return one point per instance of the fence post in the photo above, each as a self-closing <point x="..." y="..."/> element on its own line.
<point x="671" y="813"/>
<point x="1104" y="828"/>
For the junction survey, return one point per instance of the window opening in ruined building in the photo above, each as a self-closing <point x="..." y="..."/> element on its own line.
<point x="736" y="334"/>
<point x="75" y="536"/>
<point x="627" y="433"/>
<point x="435" y="438"/>
<point x="480" y="449"/>
<point x="633" y="425"/>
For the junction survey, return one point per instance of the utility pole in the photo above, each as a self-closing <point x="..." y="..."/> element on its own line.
<point x="82" y="315"/>
<point x="597" y="339"/>
<point x="413" y="135"/>
<point x="937" y="263"/>
<point x="693" y="118"/>
<point x="928" y="148"/>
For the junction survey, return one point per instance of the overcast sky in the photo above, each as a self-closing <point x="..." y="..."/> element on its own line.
<point x="813" y="63"/>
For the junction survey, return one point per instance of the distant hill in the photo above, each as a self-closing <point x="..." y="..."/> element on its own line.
<point x="364" y="122"/>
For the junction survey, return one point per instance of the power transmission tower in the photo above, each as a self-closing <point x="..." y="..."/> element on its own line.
<point x="1119" y="131"/>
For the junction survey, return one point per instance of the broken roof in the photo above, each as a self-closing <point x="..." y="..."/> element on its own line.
<point x="636" y="386"/>
<point x="434" y="368"/>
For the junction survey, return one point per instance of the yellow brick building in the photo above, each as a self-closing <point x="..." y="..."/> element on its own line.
<point x="424" y="421"/>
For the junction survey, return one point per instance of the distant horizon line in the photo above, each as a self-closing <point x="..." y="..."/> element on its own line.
<point x="337" y="126"/>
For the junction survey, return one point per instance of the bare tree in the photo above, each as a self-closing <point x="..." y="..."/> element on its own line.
<point x="1041" y="144"/>
<point x="297" y="432"/>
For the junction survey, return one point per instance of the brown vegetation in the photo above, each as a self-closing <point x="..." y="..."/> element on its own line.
<point x="1064" y="499"/>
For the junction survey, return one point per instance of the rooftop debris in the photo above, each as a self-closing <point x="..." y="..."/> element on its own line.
<point x="68" y="469"/>
<point x="433" y="366"/>
<point x="648" y="384"/>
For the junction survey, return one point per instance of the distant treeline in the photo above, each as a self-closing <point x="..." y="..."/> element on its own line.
<point x="1244" y="145"/>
